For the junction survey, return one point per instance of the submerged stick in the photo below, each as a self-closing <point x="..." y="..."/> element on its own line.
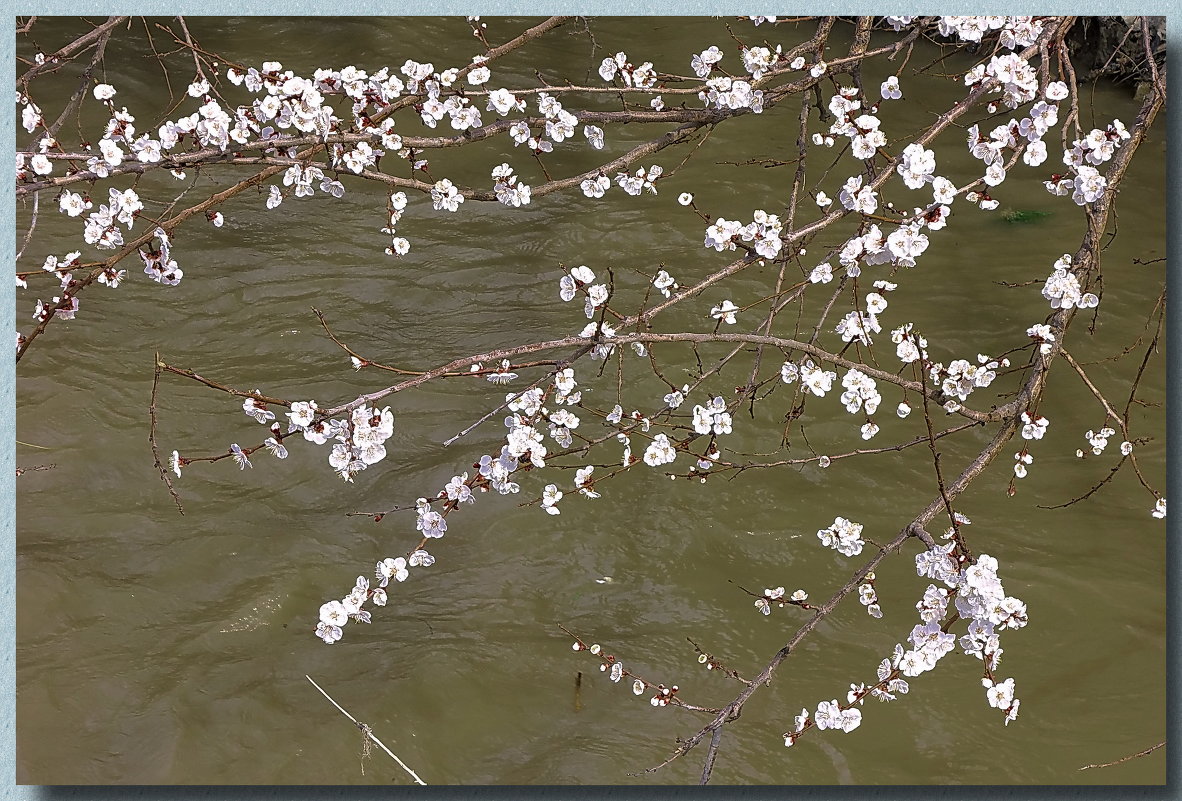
<point x="1147" y="751"/>
<point x="368" y="733"/>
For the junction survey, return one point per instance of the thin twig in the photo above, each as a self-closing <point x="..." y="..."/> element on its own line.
<point x="20" y="471"/>
<point x="158" y="368"/>
<point x="32" y="227"/>
<point x="369" y="732"/>
<point x="1148" y="750"/>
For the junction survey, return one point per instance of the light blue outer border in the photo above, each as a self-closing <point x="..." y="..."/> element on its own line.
<point x="8" y="788"/>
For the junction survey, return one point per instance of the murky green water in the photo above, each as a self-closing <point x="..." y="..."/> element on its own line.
<point x="156" y="648"/>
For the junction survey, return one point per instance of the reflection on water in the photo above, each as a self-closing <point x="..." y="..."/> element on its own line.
<point x="155" y="648"/>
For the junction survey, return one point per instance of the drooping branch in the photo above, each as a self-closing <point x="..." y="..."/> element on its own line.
<point x="1085" y="260"/>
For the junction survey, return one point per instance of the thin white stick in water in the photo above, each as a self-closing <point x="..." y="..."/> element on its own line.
<point x="370" y="734"/>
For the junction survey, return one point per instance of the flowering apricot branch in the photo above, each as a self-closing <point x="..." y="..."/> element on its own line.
<point x="773" y="327"/>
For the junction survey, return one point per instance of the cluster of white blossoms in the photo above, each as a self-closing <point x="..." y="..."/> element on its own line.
<point x="1022" y="459"/>
<point x="906" y="243"/>
<point x="844" y="536"/>
<point x="909" y="346"/>
<point x="101" y="230"/>
<point x="303" y="178"/>
<point x="1015" y="31"/>
<point x="758" y="61"/>
<point x="551" y="495"/>
<point x="725" y="311"/>
<point x="861" y="393"/>
<point x="359" y="441"/>
<point x="257" y="410"/>
<point x="776" y="596"/>
<point x="665" y="283"/>
<point x="980" y="599"/>
<point x="507" y="188"/>
<point x="63" y="265"/>
<point x="815" y="379"/>
<point x="159" y="265"/>
<point x="423" y="78"/>
<point x="721" y="235"/>
<point x="856" y="197"/>
<point x="581" y="277"/>
<point x="1033" y="427"/>
<point x="933" y="604"/>
<point x="1028" y="132"/>
<point x="209" y="126"/>
<point x="576" y="279"/>
<point x="860" y="325"/>
<point x="642" y="77"/>
<point x="713" y="418"/>
<point x="445" y="196"/>
<point x="830" y="715"/>
<point x="457" y="490"/>
<point x="929" y="644"/>
<point x="917" y="166"/>
<point x="594" y="136"/>
<point x="291" y="101"/>
<point x="561" y="423"/>
<point x="1098" y="441"/>
<point x="362" y="440"/>
<point x="1042" y="334"/>
<point x="399" y="246"/>
<point x="502" y="101"/>
<point x="660" y="451"/>
<point x="821" y="274"/>
<point x="861" y="129"/>
<point x="73" y="204"/>
<point x="499" y="470"/>
<point x="868" y="249"/>
<point x="584" y="482"/>
<point x="599" y="331"/>
<point x="356" y="160"/>
<point x="868" y="596"/>
<point x="335" y="614"/>
<point x="564" y="386"/>
<point x="560" y="123"/>
<point x="67" y="312"/>
<point x="1098" y="147"/>
<point x="637" y="182"/>
<point x="703" y="63"/>
<point x="726" y="93"/>
<point x="524" y="441"/>
<point x="428" y="522"/>
<point x="887" y="692"/>
<point x="763" y="231"/>
<point x="1062" y="288"/>
<point x="595" y="187"/>
<point x="961" y="376"/>
<point x="1088" y="185"/>
<point x="1017" y="80"/>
